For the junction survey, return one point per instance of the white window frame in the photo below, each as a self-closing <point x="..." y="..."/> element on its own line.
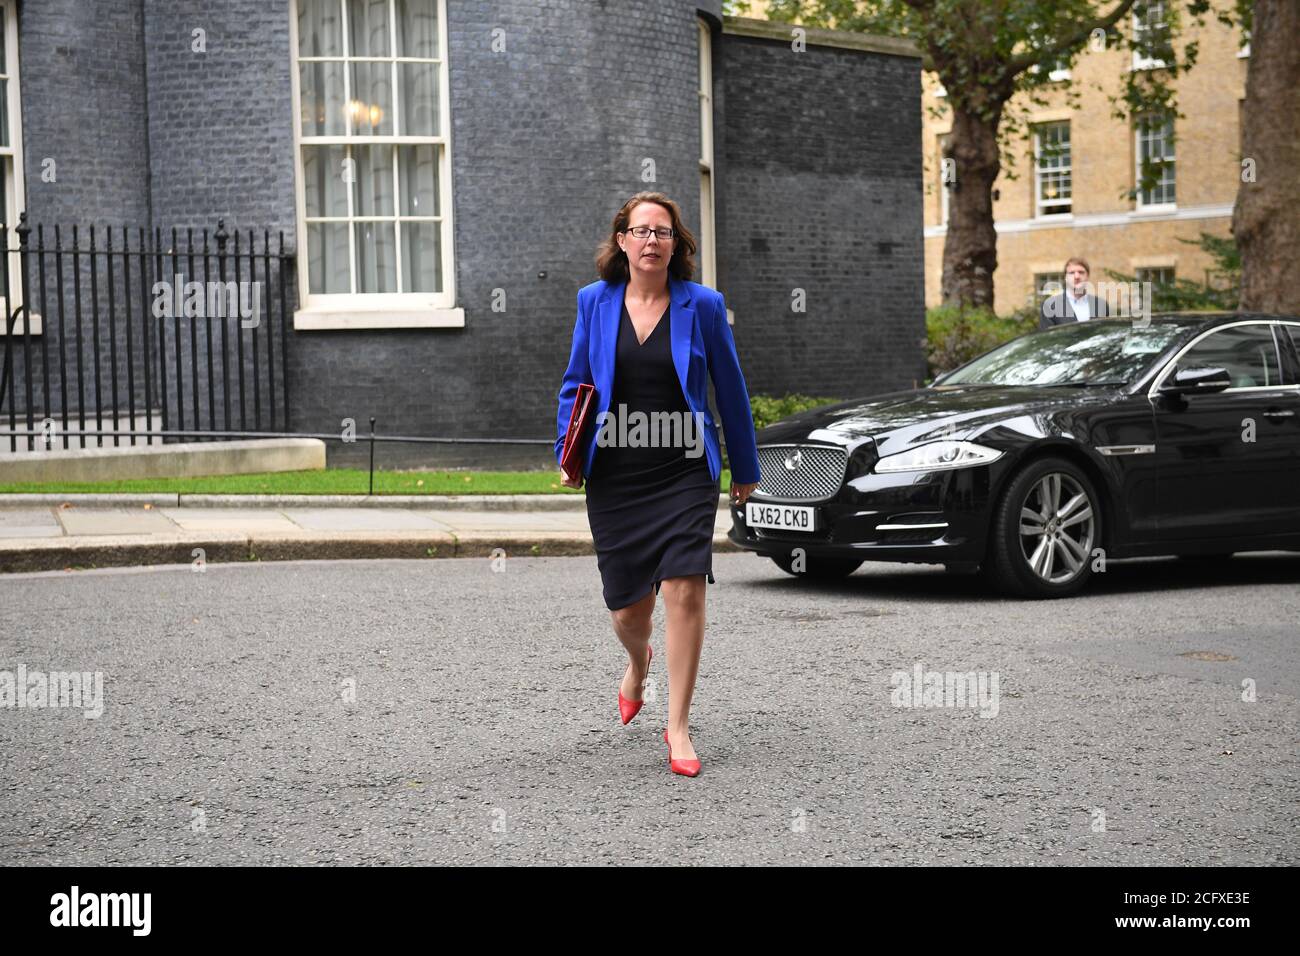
<point x="1041" y="205"/>
<point x="1147" y="62"/>
<point x="708" y="184"/>
<point x="1169" y="162"/>
<point x="353" y="310"/>
<point x="15" y="190"/>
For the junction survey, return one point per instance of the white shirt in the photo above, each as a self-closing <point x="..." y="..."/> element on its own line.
<point x="1081" y="306"/>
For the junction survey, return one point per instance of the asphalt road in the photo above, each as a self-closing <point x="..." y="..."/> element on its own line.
<point x="484" y="727"/>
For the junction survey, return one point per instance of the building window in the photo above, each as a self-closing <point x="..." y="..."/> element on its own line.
<point x="1155" y="149"/>
<point x="1053" y="185"/>
<point x="12" y="194"/>
<point x="1058" y="68"/>
<point x="1150" y="26"/>
<point x="1048" y="284"/>
<point x="708" y="228"/>
<point x="1158" y="276"/>
<point x="947" y="177"/>
<point x="374" y="173"/>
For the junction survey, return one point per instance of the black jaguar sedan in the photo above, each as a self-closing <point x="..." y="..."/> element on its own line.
<point x="1039" y="461"/>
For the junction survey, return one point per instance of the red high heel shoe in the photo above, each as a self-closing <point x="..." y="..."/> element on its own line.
<point x="627" y="709"/>
<point x="687" y="768"/>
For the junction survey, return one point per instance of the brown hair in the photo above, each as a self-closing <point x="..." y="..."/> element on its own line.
<point x="1072" y="260"/>
<point x="611" y="261"/>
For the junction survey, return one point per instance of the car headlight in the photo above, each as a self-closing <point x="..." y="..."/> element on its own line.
<point x="937" y="455"/>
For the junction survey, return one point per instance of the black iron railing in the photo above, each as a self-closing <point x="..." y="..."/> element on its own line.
<point x="175" y="333"/>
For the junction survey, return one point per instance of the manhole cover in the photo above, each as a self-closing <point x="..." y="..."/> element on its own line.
<point x="1207" y="656"/>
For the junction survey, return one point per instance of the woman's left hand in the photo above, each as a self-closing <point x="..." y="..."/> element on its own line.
<point x="740" y="492"/>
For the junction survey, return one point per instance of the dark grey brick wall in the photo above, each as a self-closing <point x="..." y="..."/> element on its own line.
<point x="86" y="162"/>
<point x="547" y="142"/>
<point x="817" y="169"/>
<point x="82" y="76"/>
<point x="220" y="121"/>
<point x="146" y="131"/>
<point x="820" y="189"/>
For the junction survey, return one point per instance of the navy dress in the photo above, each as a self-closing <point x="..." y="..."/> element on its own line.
<point x="652" y="510"/>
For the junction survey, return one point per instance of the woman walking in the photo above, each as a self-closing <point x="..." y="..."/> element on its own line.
<point x="649" y="339"/>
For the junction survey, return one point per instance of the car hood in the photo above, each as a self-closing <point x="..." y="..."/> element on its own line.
<point x="896" y="420"/>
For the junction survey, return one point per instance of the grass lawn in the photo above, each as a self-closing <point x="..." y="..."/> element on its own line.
<point x="330" y="481"/>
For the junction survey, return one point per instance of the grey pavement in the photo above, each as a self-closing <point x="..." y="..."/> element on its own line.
<point x="463" y="711"/>
<point x="87" y="531"/>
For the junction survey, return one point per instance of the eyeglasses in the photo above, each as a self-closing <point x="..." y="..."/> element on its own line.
<point x="643" y="232"/>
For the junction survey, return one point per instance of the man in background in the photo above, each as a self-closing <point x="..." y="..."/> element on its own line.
<point x="1075" y="303"/>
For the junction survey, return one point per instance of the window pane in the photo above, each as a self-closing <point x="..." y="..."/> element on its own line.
<point x="4" y="112"/>
<point x="368" y="28"/>
<point x="1247" y="352"/>
<point x="376" y="257"/>
<point x="324" y="179"/>
<point x="1294" y="332"/>
<point x="1155" y="147"/>
<point x="421" y="257"/>
<point x="4" y="26"/>
<point x="327" y="256"/>
<point x="372" y="98"/>
<point x="417" y="28"/>
<point x="419" y="98"/>
<point x="320" y="28"/>
<point x="1055" y="183"/>
<point x="418" y="169"/>
<point x="321" y="87"/>
<point x="374" y="184"/>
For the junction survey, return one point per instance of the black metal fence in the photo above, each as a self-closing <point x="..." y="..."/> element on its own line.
<point x="143" y="331"/>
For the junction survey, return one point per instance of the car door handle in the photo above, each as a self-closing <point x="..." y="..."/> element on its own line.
<point x="1279" y="413"/>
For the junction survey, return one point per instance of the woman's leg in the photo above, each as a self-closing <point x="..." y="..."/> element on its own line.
<point x="684" y="608"/>
<point x="633" y="625"/>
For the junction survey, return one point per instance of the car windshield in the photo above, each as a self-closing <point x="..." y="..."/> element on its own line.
<point x="1081" y="353"/>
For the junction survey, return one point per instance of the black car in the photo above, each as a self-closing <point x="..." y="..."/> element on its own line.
<point x="1040" y="460"/>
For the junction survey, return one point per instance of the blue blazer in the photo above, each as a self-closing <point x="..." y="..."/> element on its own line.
<point x="702" y="346"/>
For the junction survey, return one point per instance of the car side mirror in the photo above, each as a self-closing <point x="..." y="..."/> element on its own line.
<point x="1194" y="381"/>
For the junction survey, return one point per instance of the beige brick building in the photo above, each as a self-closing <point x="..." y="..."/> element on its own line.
<point x="1072" y="201"/>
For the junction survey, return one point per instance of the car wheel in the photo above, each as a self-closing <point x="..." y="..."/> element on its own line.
<point x="1045" y="528"/>
<point x="822" y="569"/>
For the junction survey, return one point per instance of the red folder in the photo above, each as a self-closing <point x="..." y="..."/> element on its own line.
<point x="570" y="459"/>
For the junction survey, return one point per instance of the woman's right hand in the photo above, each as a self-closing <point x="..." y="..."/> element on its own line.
<point x="564" y="480"/>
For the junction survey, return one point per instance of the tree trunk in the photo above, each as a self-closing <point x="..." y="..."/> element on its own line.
<point x="1266" y="218"/>
<point x="970" y="250"/>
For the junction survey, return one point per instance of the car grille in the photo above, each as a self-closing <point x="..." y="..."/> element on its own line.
<point x="818" y="475"/>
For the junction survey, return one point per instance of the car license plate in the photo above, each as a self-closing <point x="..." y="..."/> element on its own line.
<point x="783" y="517"/>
